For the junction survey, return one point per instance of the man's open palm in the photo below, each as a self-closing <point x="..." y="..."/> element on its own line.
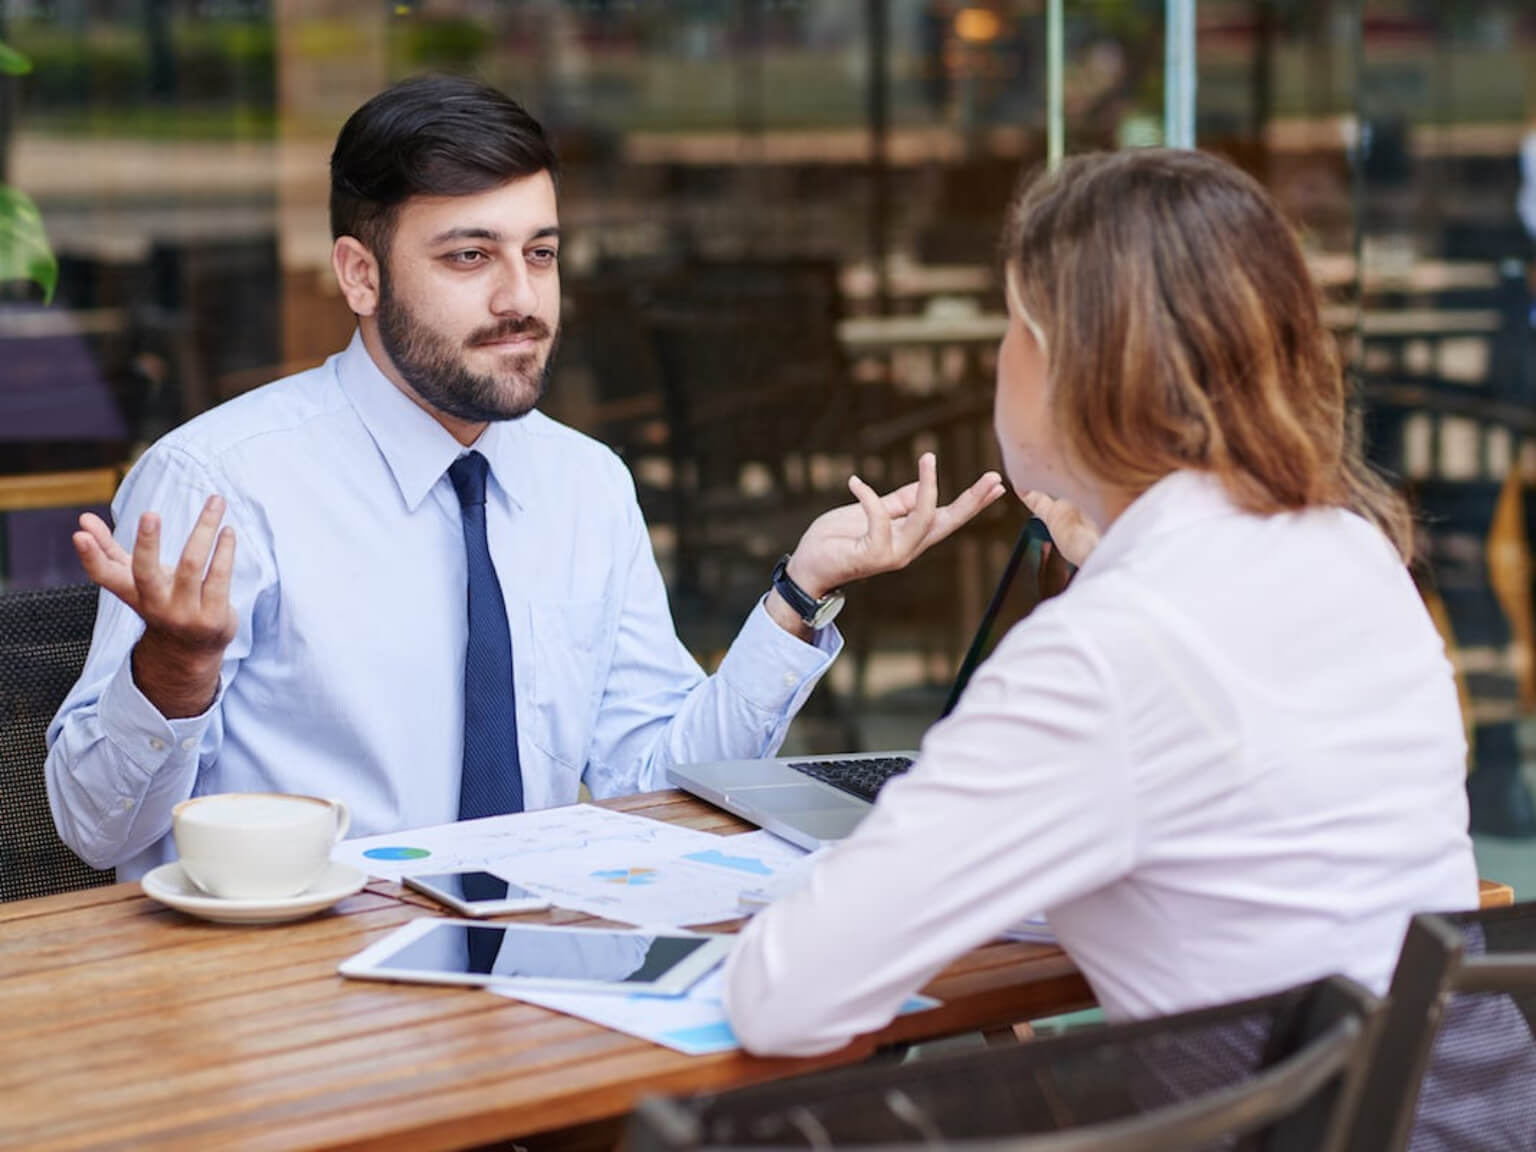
<point x="188" y="604"/>
<point x="884" y="533"/>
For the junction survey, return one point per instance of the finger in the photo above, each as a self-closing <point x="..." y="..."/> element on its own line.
<point x="220" y="572"/>
<point x="1038" y="503"/>
<point x="877" y="526"/>
<point x="1058" y="515"/>
<point x="984" y="489"/>
<point x="987" y="489"/>
<point x="148" y="577"/>
<point x="901" y="501"/>
<point x="94" y="526"/>
<point x="918" y="523"/>
<point x="1075" y="534"/>
<point x="194" y="556"/>
<point x="103" y="571"/>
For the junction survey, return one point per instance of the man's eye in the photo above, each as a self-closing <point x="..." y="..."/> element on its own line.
<point x="466" y="258"/>
<point x="544" y="255"/>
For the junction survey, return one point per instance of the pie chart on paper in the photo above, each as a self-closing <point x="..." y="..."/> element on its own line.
<point x="395" y="852"/>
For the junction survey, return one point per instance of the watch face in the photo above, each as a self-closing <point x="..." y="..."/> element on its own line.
<point x="826" y="611"/>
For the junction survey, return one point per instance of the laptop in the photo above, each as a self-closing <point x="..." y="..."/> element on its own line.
<point x="813" y="801"/>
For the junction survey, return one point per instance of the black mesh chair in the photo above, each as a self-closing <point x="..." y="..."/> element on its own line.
<point x="44" y="636"/>
<point x="1281" y="1072"/>
<point x="1456" y="1066"/>
<point x="759" y="410"/>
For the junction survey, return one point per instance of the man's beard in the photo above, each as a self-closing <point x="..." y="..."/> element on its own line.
<point x="436" y="370"/>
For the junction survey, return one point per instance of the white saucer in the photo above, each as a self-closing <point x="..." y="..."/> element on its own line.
<point x="171" y="886"/>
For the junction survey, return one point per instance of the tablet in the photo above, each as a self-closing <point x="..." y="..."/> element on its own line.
<point x="538" y="956"/>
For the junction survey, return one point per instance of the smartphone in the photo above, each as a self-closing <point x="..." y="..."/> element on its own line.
<point x="476" y="893"/>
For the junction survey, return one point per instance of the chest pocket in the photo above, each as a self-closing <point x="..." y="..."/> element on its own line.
<point x="568" y="654"/>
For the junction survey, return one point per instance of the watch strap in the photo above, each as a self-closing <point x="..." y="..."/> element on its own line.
<point x="802" y="602"/>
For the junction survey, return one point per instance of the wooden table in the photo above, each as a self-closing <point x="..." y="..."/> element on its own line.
<point x="1414" y="323"/>
<point x="882" y="333"/>
<point x="125" y="1024"/>
<point x="1338" y="270"/>
<point x="77" y="489"/>
<point x="866" y="334"/>
<point x="1492" y="894"/>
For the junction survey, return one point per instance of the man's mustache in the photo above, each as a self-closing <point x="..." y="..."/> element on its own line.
<point x="529" y="326"/>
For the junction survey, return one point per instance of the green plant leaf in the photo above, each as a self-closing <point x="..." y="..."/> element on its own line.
<point x="24" y="250"/>
<point x="12" y="62"/>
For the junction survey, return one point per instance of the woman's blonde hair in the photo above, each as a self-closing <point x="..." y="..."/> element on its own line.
<point x="1182" y="330"/>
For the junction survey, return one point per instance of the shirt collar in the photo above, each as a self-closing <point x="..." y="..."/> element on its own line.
<point x="416" y="447"/>
<point x="1177" y="501"/>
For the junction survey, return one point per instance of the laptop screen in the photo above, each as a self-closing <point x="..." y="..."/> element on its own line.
<point x="1034" y="529"/>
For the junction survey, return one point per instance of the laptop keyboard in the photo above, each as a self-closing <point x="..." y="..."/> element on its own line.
<point x="861" y="778"/>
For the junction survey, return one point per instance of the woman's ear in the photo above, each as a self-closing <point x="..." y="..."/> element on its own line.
<point x="357" y="272"/>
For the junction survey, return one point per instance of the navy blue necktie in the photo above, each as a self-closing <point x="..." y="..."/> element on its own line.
<point x="492" y="780"/>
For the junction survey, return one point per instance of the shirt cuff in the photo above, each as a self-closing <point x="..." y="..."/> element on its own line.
<point x="772" y="669"/>
<point x="140" y="732"/>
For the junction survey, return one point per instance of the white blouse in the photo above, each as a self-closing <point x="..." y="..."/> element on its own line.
<point x="1229" y="758"/>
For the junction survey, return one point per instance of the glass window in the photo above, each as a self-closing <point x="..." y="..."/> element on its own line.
<point x="779" y="267"/>
<point x="1398" y="136"/>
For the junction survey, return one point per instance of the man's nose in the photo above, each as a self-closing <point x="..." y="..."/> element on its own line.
<point x="515" y="293"/>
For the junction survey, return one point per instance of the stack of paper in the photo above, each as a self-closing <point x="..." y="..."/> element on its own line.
<point x="610" y="864"/>
<point x="794" y="876"/>
<point x="657" y="886"/>
<point x="495" y="841"/>
<point x="1034" y="928"/>
<point x="694" y="1024"/>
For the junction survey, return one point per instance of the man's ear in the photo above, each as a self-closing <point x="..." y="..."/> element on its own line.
<point x="358" y="274"/>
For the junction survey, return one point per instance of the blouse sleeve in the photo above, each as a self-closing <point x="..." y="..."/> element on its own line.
<point x="1019" y="802"/>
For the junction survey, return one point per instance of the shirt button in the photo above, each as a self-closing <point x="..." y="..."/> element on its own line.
<point x="790" y="680"/>
<point x="188" y="744"/>
<point x="157" y="744"/>
<point x="125" y="804"/>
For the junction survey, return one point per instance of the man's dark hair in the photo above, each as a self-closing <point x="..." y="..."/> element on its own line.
<point x="428" y="136"/>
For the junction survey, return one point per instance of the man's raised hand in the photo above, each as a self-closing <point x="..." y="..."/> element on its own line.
<point x="188" y="618"/>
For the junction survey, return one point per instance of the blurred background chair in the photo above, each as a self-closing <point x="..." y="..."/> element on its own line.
<point x="44" y="638"/>
<point x="761" y="416"/>
<point x="1467" y="544"/>
<point x="1282" y="1071"/>
<point x="609" y="383"/>
<point x="1456" y="1064"/>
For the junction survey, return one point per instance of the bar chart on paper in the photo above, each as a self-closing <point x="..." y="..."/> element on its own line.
<point x="656" y="886"/>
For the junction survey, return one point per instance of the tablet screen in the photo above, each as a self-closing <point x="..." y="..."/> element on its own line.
<point x="502" y="950"/>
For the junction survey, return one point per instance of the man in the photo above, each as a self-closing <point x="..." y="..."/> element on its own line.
<point x="318" y="641"/>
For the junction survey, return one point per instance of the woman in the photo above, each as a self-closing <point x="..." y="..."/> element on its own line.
<point x="1229" y="757"/>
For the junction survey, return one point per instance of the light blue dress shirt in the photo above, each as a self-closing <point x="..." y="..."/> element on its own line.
<point x="345" y="678"/>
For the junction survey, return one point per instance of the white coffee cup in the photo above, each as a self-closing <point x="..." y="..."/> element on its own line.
<point x="257" y="845"/>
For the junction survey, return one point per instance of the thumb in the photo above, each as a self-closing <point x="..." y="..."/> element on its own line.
<point x="1074" y="534"/>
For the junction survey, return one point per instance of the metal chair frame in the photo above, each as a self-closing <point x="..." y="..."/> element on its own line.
<point x="1433" y="966"/>
<point x="1307" y="1093"/>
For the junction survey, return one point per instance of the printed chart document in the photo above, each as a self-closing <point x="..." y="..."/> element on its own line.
<point x="656" y="885"/>
<point x="1032" y="930"/>
<point x="496" y="843"/>
<point x="795" y="875"/>
<point x="693" y="1024"/>
<point x="621" y="867"/>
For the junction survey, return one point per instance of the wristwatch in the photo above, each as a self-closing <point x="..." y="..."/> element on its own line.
<point x="817" y="614"/>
